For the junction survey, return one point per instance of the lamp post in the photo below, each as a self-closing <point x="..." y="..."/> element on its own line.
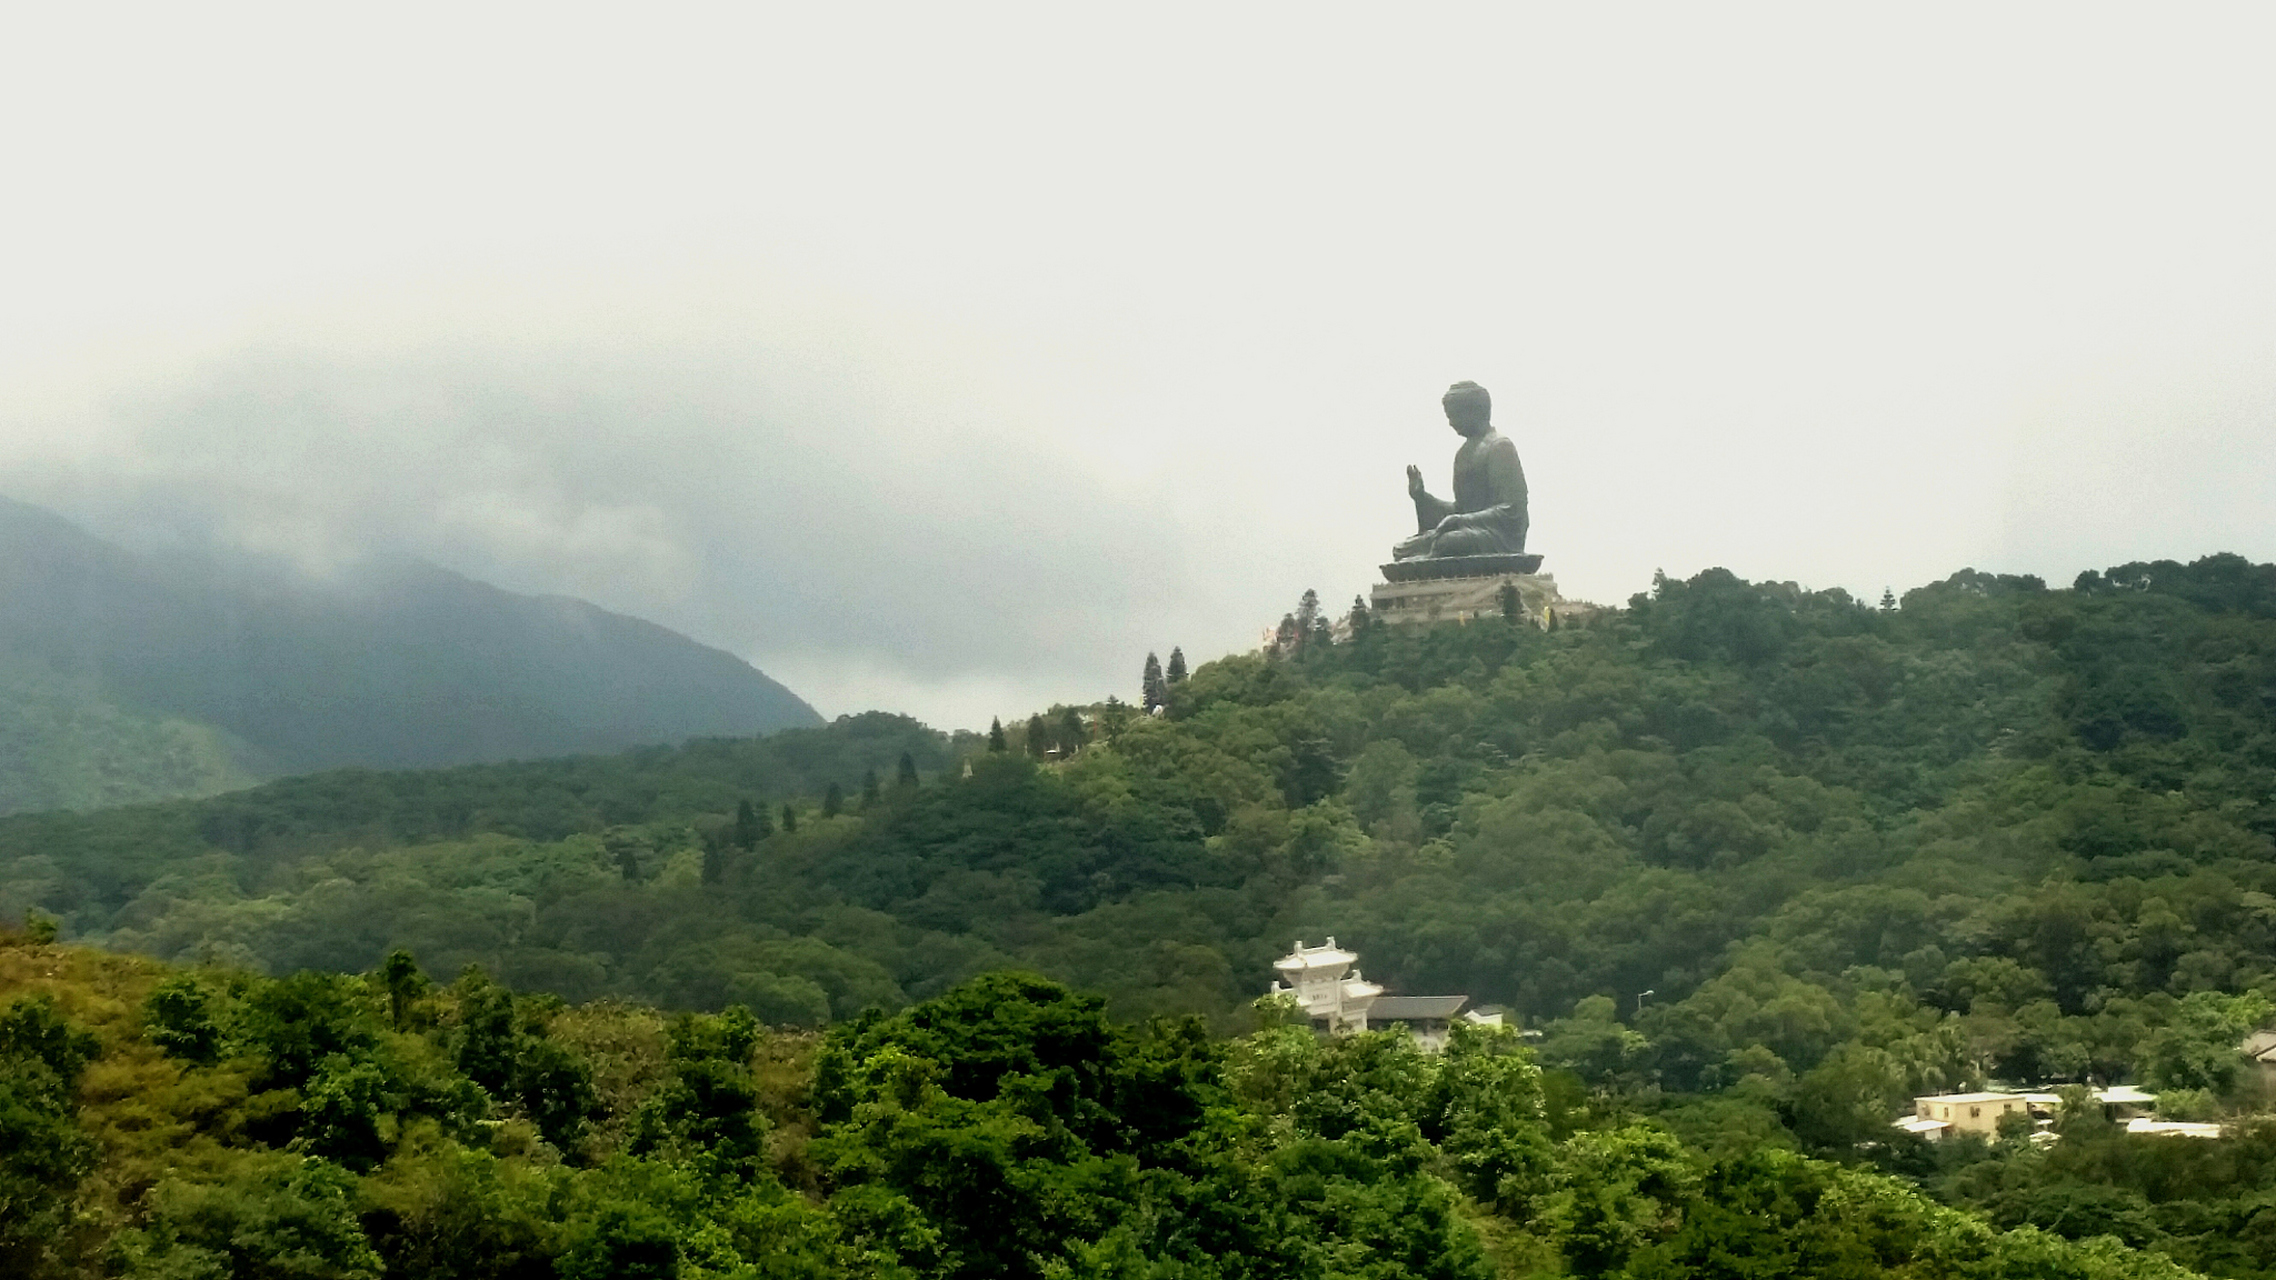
<point x="1640" y="1001"/>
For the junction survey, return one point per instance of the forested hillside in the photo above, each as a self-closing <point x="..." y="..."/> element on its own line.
<point x="1758" y="863"/>
<point x="126" y="677"/>
<point x="157" y="1124"/>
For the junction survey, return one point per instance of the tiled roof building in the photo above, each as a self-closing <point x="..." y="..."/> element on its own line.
<point x="1340" y="1004"/>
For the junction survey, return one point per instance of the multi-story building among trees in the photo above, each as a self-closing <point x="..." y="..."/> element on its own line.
<point x="1326" y="983"/>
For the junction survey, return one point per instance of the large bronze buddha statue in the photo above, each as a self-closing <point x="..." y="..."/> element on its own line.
<point x="1487" y="515"/>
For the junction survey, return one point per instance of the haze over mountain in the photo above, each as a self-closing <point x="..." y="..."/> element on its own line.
<point x="1074" y="337"/>
<point x="126" y="677"/>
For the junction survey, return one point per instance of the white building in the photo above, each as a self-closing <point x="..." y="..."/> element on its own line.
<point x="1939" y="1115"/>
<point x="1341" y="1004"/>
<point x="1315" y="976"/>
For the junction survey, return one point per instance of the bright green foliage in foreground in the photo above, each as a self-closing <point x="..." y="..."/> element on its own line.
<point x="204" y="1123"/>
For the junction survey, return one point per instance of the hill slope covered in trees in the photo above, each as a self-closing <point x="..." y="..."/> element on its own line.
<point x="1995" y="788"/>
<point x="126" y="678"/>
<point x="1760" y="862"/>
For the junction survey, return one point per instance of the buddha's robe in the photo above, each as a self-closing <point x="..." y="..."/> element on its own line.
<point x="1489" y="495"/>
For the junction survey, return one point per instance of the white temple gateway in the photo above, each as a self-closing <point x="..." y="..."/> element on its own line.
<point x="1340" y="1005"/>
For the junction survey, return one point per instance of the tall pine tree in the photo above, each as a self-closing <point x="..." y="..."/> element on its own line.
<point x="869" y="789"/>
<point x="1288" y="638"/>
<point x="1361" y="619"/>
<point x="833" y="801"/>
<point x="996" y="735"/>
<point x="1038" y="737"/>
<point x="905" y="776"/>
<point x="1150" y="686"/>
<point x="1176" y="673"/>
<point x="1072" y="734"/>
<point x="789" y="818"/>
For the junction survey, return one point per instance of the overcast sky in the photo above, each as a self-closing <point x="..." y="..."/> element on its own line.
<point x="949" y="358"/>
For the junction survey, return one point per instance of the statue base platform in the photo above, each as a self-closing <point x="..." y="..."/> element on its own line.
<point x="1461" y="598"/>
<point x="1432" y="567"/>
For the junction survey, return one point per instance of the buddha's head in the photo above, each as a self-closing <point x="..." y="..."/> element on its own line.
<point x="1469" y="409"/>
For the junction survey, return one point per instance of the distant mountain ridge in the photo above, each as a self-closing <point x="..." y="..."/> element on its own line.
<point x="125" y="677"/>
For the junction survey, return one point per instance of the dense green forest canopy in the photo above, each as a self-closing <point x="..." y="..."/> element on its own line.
<point x="161" y="1123"/>
<point x="2044" y="813"/>
<point x="1756" y="863"/>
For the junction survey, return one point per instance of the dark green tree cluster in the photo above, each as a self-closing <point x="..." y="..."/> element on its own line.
<point x="1305" y="629"/>
<point x="43" y="1153"/>
<point x="2042" y="813"/>
<point x="1156" y="681"/>
<point x="541" y="801"/>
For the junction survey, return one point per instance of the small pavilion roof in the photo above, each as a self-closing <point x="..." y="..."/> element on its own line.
<point x="1327" y="956"/>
